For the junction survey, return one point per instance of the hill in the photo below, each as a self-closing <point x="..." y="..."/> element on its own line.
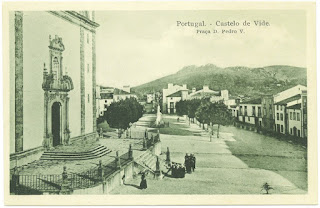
<point x="245" y="81"/>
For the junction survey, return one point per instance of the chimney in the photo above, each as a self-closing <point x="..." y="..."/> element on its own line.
<point x="170" y="85"/>
<point x="126" y="88"/>
<point x="184" y="86"/>
<point x="193" y="89"/>
<point x="205" y="88"/>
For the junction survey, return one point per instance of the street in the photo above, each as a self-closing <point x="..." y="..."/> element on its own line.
<point x="236" y="163"/>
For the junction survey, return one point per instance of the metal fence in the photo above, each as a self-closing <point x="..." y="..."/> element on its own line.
<point x="53" y="183"/>
<point x="39" y="182"/>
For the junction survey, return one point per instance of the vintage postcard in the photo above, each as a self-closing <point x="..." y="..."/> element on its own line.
<point x="160" y="103"/>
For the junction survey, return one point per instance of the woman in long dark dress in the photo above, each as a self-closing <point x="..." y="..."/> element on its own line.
<point x="143" y="183"/>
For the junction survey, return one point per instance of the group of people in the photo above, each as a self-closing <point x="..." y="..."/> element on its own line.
<point x="177" y="170"/>
<point x="190" y="162"/>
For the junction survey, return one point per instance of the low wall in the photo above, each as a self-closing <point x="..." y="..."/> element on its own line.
<point x="25" y="157"/>
<point x="115" y="180"/>
<point x="111" y="182"/>
<point x="88" y="136"/>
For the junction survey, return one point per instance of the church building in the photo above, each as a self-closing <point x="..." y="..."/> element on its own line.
<point x="52" y="81"/>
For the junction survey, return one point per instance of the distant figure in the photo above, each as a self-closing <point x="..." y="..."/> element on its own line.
<point x="187" y="163"/>
<point x="178" y="119"/>
<point x="124" y="179"/>
<point x="143" y="183"/>
<point x="193" y="162"/>
<point x="266" y="187"/>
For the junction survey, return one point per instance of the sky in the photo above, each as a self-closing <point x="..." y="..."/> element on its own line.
<point x="135" y="47"/>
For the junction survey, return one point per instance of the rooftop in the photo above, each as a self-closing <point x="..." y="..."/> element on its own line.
<point x="106" y="95"/>
<point x="288" y="100"/>
<point x="120" y="92"/>
<point x="176" y="94"/>
<point x="252" y="101"/>
<point x="296" y="106"/>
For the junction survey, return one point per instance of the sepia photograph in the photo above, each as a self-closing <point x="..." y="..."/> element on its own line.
<point x="171" y="99"/>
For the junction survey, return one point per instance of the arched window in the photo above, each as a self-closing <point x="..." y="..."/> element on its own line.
<point x="55" y="68"/>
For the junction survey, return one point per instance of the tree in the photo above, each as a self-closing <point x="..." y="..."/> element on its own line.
<point x="202" y="112"/>
<point x="192" y="108"/>
<point x="219" y="114"/>
<point x="182" y="107"/>
<point x="120" y="114"/>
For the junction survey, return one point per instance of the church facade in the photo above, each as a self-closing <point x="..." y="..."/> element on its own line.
<point x="52" y="81"/>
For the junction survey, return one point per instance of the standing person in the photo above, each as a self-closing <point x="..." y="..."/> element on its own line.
<point x="143" y="183"/>
<point x="193" y="162"/>
<point x="189" y="165"/>
<point x="186" y="161"/>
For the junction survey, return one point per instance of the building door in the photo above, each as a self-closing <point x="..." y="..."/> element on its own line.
<point x="294" y="131"/>
<point x="55" y="123"/>
<point x="278" y="128"/>
<point x="171" y="107"/>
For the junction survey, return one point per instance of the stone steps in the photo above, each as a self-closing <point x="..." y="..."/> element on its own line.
<point x="96" y="152"/>
<point x="149" y="160"/>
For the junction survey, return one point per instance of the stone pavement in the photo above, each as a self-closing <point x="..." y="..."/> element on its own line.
<point x="217" y="170"/>
<point x="112" y="142"/>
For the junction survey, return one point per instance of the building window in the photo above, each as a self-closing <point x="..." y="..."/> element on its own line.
<point x="281" y="116"/>
<point x="259" y="111"/>
<point x="294" y="115"/>
<point x="290" y="115"/>
<point x="291" y="131"/>
<point x="298" y="133"/>
<point x="248" y="118"/>
<point x="245" y="110"/>
<point x="88" y="38"/>
<point x="281" y="128"/>
<point x="298" y="116"/>
<point x="278" y="116"/>
<point x="280" y="107"/>
<point x="55" y="68"/>
<point x="264" y="111"/>
<point x="240" y="111"/>
<point x="253" y="111"/>
<point x="277" y="107"/>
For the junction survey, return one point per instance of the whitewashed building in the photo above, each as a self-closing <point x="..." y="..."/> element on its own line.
<point x="250" y="112"/>
<point x="291" y="111"/>
<point x="53" y="80"/>
<point x="170" y="91"/>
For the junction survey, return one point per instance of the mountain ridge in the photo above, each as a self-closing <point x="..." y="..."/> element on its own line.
<point x="239" y="80"/>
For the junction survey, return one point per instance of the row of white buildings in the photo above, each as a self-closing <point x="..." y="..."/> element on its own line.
<point x="284" y="113"/>
<point x="175" y="93"/>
